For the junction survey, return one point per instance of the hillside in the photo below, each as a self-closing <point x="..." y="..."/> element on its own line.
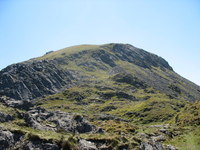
<point x="90" y="97"/>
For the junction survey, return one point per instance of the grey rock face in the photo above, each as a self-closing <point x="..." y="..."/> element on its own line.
<point x="139" y="57"/>
<point x="42" y="119"/>
<point x="105" y="57"/>
<point x="33" y="79"/>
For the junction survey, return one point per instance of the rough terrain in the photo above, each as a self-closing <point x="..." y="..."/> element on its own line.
<point x="90" y="97"/>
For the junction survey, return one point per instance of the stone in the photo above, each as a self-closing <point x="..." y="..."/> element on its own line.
<point x="87" y="145"/>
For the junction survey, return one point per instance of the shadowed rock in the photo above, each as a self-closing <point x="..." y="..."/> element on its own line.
<point x="5" y="117"/>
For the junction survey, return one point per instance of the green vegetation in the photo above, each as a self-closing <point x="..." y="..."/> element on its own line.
<point x="67" y="51"/>
<point x="188" y="140"/>
<point x="190" y="115"/>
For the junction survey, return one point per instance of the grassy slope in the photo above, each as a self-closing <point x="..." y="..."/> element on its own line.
<point x="158" y="109"/>
<point x="67" y="51"/>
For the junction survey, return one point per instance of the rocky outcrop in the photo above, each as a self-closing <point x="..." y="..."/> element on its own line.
<point x="29" y="80"/>
<point x="129" y="79"/>
<point x="19" y="104"/>
<point x="154" y="141"/>
<point x="42" y="119"/>
<point x="139" y="57"/>
<point x="10" y="140"/>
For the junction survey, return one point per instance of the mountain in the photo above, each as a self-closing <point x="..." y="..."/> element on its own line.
<point x="89" y="97"/>
<point x="93" y="63"/>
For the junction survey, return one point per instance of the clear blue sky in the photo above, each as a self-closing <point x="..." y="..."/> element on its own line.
<point x="168" y="28"/>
